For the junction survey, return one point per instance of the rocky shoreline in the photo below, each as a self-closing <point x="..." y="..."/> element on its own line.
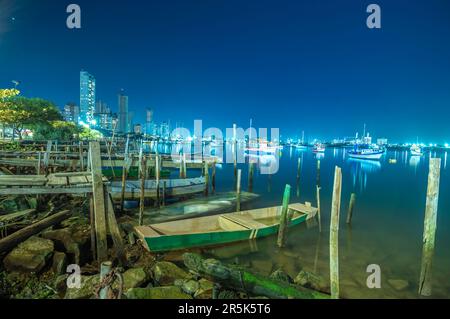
<point x="37" y="268"/>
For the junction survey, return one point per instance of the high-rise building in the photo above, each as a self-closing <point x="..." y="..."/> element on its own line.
<point x="103" y="116"/>
<point x="123" y="125"/>
<point x="87" y="97"/>
<point x="137" y="129"/>
<point x="149" y="122"/>
<point x="71" y="112"/>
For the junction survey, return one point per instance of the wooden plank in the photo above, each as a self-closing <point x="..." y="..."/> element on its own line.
<point x="99" y="201"/>
<point x="114" y="229"/>
<point x="13" y="216"/>
<point x="46" y="190"/>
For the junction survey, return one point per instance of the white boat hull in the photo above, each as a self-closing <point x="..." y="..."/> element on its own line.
<point x="366" y="156"/>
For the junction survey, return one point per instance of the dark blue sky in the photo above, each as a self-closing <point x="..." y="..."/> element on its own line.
<point x="297" y="65"/>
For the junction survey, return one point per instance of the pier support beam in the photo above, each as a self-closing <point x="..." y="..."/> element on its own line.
<point x="238" y="191"/>
<point x="285" y="218"/>
<point x="351" y="206"/>
<point x="334" y="234"/>
<point x="429" y="230"/>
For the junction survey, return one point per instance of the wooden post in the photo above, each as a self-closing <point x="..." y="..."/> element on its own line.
<point x="164" y="193"/>
<point x="142" y="195"/>
<point x="47" y="155"/>
<point x="334" y="233"/>
<point x="181" y="167"/>
<point x="251" y="170"/>
<point x="284" y="218"/>
<point x="157" y="172"/>
<point x="80" y="150"/>
<point x="319" y="216"/>
<point x="105" y="269"/>
<point x="99" y="201"/>
<point x="213" y="181"/>
<point x="124" y="181"/>
<point x="92" y="219"/>
<point x="299" y="167"/>
<point x="206" y="172"/>
<point x="429" y="229"/>
<point x="318" y="173"/>
<point x="238" y="191"/>
<point x="114" y="229"/>
<point x="350" y="208"/>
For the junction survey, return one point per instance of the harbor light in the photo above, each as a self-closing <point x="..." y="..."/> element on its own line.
<point x="446" y="145"/>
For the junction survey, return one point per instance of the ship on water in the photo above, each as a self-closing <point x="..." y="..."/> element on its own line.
<point x="366" y="151"/>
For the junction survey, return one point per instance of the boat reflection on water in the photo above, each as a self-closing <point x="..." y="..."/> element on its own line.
<point x="319" y="155"/>
<point x="414" y="161"/>
<point x="360" y="169"/>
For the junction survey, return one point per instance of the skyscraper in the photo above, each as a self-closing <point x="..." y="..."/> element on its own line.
<point x="71" y="112"/>
<point x="149" y="122"/>
<point x="87" y="97"/>
<point x="123" y="126"/>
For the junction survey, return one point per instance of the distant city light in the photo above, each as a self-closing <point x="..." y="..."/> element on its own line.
<point x="446" y="145"/>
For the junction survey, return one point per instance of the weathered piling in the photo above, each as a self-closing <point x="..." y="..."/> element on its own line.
<point x="80" y="151"/>
<point x="284" y="218"/>
<point x="92" y="220"/>
<point x="105" y="270"/>
<point x="429" y="230"/>
<point x="164" y="189"/>
<point x="213" y="180"/>
<point x="158" y="177"/>
<point x="318" y="173"/>
<point x="124" y="180"/>
<point x="251" y="171"/>
<point x="299" y="167"/>
<point x="334" y="233"/>
<point x="99" y="201"/>
<point x="142" y="194"/>
<point x="351" y="206"/>
<point x="238" y="190"/>
<point x="206" y="173"/>
<point x="319" y="214"/>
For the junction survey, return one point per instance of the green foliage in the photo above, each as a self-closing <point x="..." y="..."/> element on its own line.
<point x="57" y="130"/>
<point x="21" y="112"/>
<point x="90" y="134"/>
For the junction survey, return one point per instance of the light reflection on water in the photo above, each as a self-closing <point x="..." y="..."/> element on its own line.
<point x="386" y="229"/>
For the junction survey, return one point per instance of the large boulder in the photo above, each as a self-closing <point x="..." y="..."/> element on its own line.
<point x="59" y="263"/>
<point x="169" y="292"/>
<point x="165" y="273"/>
<point x="74" y="240"/>
<point x="86" y="290"/>
<point x="206" y="289"/>
<point x="310" y="280"/>
<point x="30" y="256"/>
<point x="133" y="278"/>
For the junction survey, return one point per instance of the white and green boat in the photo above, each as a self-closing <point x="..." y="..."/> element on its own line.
<point x="220" y="229"/>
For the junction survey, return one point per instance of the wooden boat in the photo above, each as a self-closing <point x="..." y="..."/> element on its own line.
<point x="219" y="229"/>
<point x="174" y="188"/>
<point x="196" y="207"/>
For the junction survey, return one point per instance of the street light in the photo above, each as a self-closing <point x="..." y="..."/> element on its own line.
<point x="16" y="83"/>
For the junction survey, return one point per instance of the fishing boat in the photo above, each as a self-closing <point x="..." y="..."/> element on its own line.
<point x="370" y="152"/>
<point x="319" y="148"/>
<point x="416" y="150"/>
<point x="220" y="229"/>
<point x="174" y="188"/>
<point x="196" y="207"/>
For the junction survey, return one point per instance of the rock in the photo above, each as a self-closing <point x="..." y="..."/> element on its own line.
<point x="165" y="273"/>
<point x="227" y="294"/>
<point x="74" y="240"/>
<point x="280" y="275"/>
<point x="87" y="289"/>
<point x="311" y="280"/>
<point x="29" y="256"/>
<point x="190" y="286"/>
<point x="59" y="263"/>
<point x="398" y="284"/>
<point x="206" y="289"/>
<point x="60" y="284"/>
<point x="133" y="278"/>
<point x="170" y="292"/>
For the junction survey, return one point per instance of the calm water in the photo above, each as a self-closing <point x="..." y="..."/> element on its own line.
<point x="386" y="229"/>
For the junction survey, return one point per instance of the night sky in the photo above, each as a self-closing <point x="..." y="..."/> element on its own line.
<point x="297" y="65"/>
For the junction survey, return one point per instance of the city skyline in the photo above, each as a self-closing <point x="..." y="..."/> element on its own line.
<point x="230" y="62"/>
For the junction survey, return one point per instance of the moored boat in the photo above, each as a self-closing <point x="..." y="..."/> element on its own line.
<point x="174" y="188"/>
<point x="371" y="152"/>
<point x="220" y="229"/>
<point x="319" y="148"/>
<point x="416" y="150"/>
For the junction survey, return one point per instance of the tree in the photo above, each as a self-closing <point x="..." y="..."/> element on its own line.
<point x="20" y="112"/>
<point x="57" y="130"/>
